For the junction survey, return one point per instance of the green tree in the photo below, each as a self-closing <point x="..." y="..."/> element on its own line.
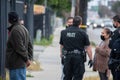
<point x="39" y="2"/>
<point x="57" y="5"/>
<point x="104" y="11"/>
<point x="60" y="6"/>
<point x="116" y="7"/>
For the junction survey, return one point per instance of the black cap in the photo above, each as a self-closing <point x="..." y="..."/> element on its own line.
<point x="13" y="17"/>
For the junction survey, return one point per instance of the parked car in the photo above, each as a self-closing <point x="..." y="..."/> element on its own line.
<point x="98" y="24"/>
<point x="108" y="23"/>
<point x="88" y="24"/>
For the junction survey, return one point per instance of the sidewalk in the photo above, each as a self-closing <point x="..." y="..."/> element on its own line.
<point x="50" y="61"/>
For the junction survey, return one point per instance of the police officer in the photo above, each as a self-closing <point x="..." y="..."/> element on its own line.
<point x="115" y="36"/>
<point x="69" y="22"/>
<point x="74" y="41"/>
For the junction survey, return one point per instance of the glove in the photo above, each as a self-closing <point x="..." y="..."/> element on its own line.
<point x="90" y="63"/>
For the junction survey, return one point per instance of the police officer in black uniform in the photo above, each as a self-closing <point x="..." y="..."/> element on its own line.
<point x="74" y="41"/>
<point x="116" y="35"/>
<point x="69" y="23"/>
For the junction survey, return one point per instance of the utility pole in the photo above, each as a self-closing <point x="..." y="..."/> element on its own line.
<point x="3" y="36"/>
<point x="83" y="12"/>
<point x="29" y="16"/>
<point x="73" y="8"/>
<point x="77" y="7"/>
<point x="44" y="18"/>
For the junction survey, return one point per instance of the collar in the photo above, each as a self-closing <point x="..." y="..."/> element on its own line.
<point x="10" y="28"/>
<point x="74" y="27"/>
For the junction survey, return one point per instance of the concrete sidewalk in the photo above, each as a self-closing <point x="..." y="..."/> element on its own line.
<point x="49" y="60"/>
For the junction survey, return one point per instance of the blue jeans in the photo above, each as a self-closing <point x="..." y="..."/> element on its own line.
<point x="18" y="74"/>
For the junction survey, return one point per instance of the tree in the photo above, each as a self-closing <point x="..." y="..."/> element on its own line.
<point x="116" y="7"/>
<point x="58" y="6"/>
<point x="77" y="6"/>
<point x="104" y="11"/>
<point x="39" y="2"/>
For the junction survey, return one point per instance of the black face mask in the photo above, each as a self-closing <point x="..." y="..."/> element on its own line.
<point x="68" y="26"/>
<point x="102" y="37"/>
<point x="114" y="26"/>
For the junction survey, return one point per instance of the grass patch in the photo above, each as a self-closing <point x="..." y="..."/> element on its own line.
<point x="35" y="66"/>
<point x="93" y="44"/>
<point x="93" y="78"/>
<point x="44" y="41"/>
<point x="29" y="75"/>
<point x="7" y="75"/>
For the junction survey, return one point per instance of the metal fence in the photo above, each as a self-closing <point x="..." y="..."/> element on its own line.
<point x="49" y="23"/>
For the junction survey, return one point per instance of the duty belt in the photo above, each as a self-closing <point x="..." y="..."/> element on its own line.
<point x="72" y="52"/>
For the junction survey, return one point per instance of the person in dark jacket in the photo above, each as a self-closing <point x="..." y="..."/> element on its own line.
<point x="19" y="51"/>
<point x="115" y="70"/>
<point x="74" y="41"/>
<point x="69" y="23"/>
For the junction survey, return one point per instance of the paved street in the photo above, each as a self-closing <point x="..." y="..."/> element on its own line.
<point x="94" y="35"/>
<point x="50" y="61"/>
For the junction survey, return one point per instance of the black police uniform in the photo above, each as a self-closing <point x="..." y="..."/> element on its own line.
<point x="114" y="70"/>
<point x="73" y="40"/>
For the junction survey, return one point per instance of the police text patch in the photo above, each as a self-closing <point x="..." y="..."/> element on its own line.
<point x="71" y="34"/>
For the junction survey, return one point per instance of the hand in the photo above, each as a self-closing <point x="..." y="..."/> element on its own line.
<point x="28" y="63"/>
<point x="90" y="63"/>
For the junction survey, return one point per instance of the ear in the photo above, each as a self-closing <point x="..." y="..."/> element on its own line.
<point x="108" y="35"/>
<point x="81" y="23"/>
<point x="117" y="24"/>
